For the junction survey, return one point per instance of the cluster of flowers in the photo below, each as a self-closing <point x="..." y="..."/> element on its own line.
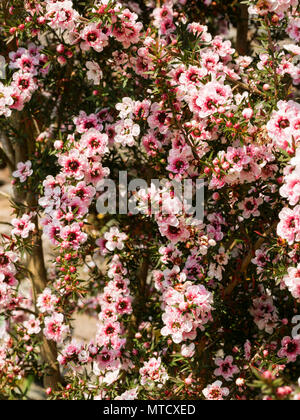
<point x="187" y="306"/>
<point x="67" y="197"/>
<point x="284" y="130"/>
<point x="8" y="281"/>
<point x="186" y="311"/>
<point x="107" y="353"/>
<point x="265" y="313"/>
<point x="55" y="328"/>
<point x="27" y="64"/>
<point x="203" y="102"/>
<point x="241" y="165"/>
<point x="115" y="302"/>
<point x="123" y="26"/>
<point x="282" y="9"/>
<point x="153" y="373"/>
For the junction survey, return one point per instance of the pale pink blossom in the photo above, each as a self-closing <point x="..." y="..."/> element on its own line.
<point x="24" y="170"/>
<point x="215" y="391"/>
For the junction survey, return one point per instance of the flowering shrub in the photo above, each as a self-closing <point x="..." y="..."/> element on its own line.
<point x="186" y="308"/>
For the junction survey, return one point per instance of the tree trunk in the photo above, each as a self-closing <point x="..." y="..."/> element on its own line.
<point x="36" y="262"/>
<point x="39" y="282"/>
<point x="242" y="44"/>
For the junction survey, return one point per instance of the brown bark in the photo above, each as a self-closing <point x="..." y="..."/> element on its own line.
<point x="38" y="272"/>
<point x="36" y="261"/>
<point x="242" y="44"/>
<point x="247" y="259"/>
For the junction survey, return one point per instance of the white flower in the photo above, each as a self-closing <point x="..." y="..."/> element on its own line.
<point x="131" y="394"/>
<point x="94" y="72"/>
<point x="215" y="391"/>
<point x="32" y="325"/>
<point x="6" y="100"/>
<point x="125" y="107"/>
<point x="115" y="239"/>
<point x="188" y="351"/>
<point x="111" y="377"/>
<point x="126" y="130"/>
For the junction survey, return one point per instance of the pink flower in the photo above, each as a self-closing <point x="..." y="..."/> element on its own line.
<point x="82" y="191"/>
<point x="94" y="143"/>
<point x="7" y="277"/>
<point x="293" y="29"/>
<point x="175" y="234"/>
<point x="162" y="13"/>
<point x="261" y="258"/>
<point x="179" y="161"/>
<point x="125" y="108"/>
<point x="226" y="368"/>
<point x="281" y="6"/>
<point x="284" y="391"/>
<point x="24" y="82"/>
<point x="46" y="301"/>
<point x="55" y="329"/>
<point x="5" y="296"/>
<point x="193" y="76"/>
<point x="248" y="113"/>
<point x="73" y="235"/>
<point x="93" y="37"/>
<point x="281" y="127"/>
<point x="175" y="324"/>
<point x="289" y="226"/>
<point x="32" y="325"/>
<point x="151" y="144"/>
<point x="292" y="281"/>
<point x="206" y="101"/>
<point x="61" y="14"/>
<point x="23" y="171"/>
<point x="6" y="99"/>
<point x="108" y="332"/>
<point x="291" y="187"/>
<point x="74" y="164"/>
<point x="128" y="31"/>
<point x="107" y="359"/>
<point x="265" y="313"/>
<point x="250" y="207"/>
<point x="26" y="62"/>
<point x="167" y="26"/>
<point x="153" y="372"/>
<point x="159" y="118"/>
<point x="142" y="109"/>
<point x="290" y="349"/>
<point x="96" y="173"/>
<point x="210" y="60"/>
<point x="53" y="230"/>
<point x="123" y="305"/>
<point x="200" y="30"/>
<point x="23" y="227"/>
<point x="7" y="260"/>
<point x="18" y="99"/>
<point x="85" y="122"/>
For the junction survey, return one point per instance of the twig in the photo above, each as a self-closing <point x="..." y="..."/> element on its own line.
<point x="246" y="261"/>
<point x="6" y="195"/>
